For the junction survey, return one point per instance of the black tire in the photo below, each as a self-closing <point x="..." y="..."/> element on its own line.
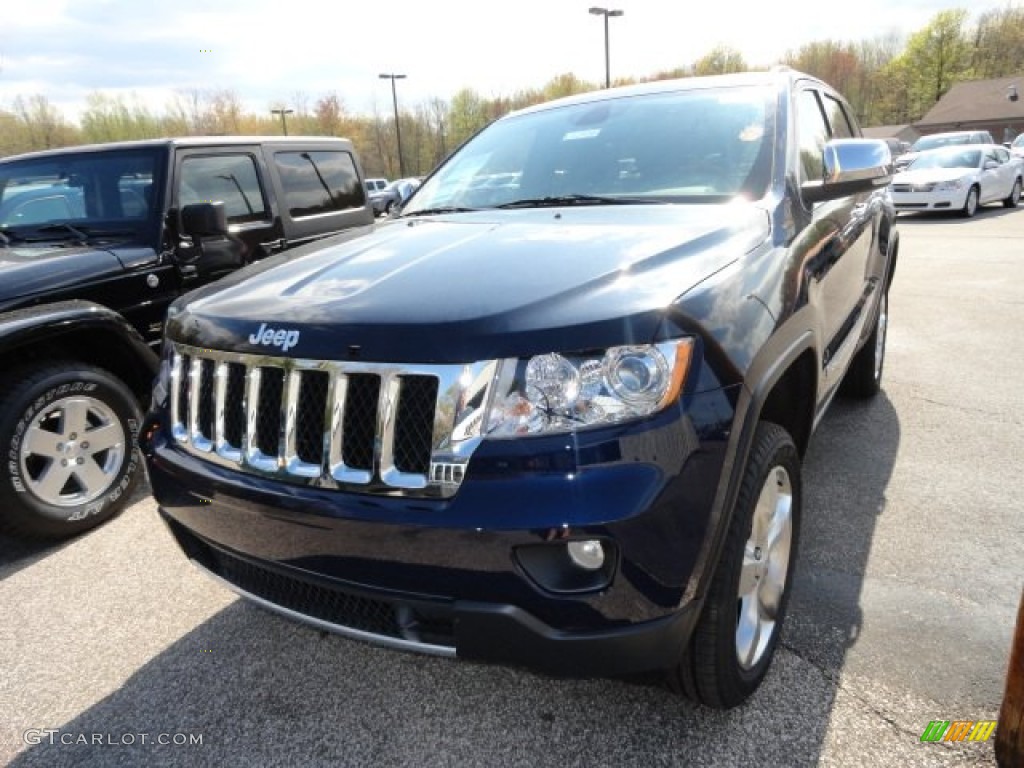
<point x="971" y="203"/>
<point x="40" y="407"/>
<point x="864" y="377"/>
<point x="1014" y="198"/>
<point x="710" y="671"/>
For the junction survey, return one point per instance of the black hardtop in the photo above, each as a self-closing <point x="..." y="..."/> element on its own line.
<point x="187" y="142"/>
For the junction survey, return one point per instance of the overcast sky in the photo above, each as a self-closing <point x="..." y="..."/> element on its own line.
<point x="266" y="50"/>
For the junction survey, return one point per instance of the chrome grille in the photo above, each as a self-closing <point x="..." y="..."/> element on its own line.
<point x="373" y="428"/>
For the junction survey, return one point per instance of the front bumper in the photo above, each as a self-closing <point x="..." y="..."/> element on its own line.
<point x="949" y="200"/>
<point x="450" y="576"/>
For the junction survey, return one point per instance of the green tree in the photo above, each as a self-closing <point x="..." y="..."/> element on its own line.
<point x="998" y="43"/>
<point x="935" y="58"/>
<point x="720" y="60"/>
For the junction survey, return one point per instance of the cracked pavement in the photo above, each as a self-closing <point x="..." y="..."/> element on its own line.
<point x="905" y="593"/>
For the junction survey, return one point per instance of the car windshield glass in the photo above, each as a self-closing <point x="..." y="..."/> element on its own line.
<point x="933" y="142"/>
<point x="89" y="190"/>
<point x="948" y="158"/>
<point x="1019" y="141"/>
<point x="701" y="145"/>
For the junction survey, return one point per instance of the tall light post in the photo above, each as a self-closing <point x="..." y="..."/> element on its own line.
<point x="282" y="113"/>
<point x="607" y="56"/>
<point x="398" y="127"/>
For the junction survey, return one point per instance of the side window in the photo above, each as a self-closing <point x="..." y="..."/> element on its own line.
<point x="812" y="133"/>
<point x="1002" y="155"/>
<point x="229" y="179"/>
<point x="837" y="118"/>
<point x="319" y="182"/>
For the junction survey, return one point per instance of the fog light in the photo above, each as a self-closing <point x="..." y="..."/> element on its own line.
<point x="588" y="555"/>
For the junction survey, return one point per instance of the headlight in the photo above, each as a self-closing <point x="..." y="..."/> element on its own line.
<point x="949" y="186"/>
<point x="559" y="393"/>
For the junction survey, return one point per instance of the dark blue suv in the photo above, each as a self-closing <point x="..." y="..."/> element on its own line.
<point x="553" y="412"/>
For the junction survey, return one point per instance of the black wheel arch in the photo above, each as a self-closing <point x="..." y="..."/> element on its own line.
<point x="791" y="378"/>
<point x="78" y="330"/>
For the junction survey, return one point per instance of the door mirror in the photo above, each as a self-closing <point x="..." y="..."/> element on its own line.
<point x="204" y="220"/>
<point x="851" y="166"/>
<point x="991" y="165"/>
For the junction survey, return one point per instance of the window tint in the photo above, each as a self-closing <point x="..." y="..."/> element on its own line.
<point x="837" y="118"/>
<point x="812" y="133"/>
<point x="319" y="182"/>
<point x="229" y="179"/>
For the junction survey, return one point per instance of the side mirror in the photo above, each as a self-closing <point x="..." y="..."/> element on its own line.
<point x="990" y="165"/>
<point x="204" y="220"/>
<point x="852" y="166"/>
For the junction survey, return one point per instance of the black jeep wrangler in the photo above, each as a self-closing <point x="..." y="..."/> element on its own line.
<point x="95" y="243"/>
<point x="554" y="412"/>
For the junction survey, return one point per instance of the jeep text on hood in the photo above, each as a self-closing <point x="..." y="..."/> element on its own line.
<point x="553" y="412"/>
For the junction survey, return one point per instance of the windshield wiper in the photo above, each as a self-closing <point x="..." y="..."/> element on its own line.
<point x="556" y="200"/>
<point x="64" y="226"/>
<point x="441" y="209"/>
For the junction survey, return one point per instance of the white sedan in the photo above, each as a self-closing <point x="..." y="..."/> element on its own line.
<point x="959" y="179"/>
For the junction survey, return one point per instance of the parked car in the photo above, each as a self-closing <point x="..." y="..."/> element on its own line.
<point x="396" y="193"/>
<point x="95" y="243"/>
<point x="959" y="178"/>
<point x="554" y="413"/>
<point x="937" y="140"/>
<point x="375" y="185"/>
<point x="1017" y="146"/>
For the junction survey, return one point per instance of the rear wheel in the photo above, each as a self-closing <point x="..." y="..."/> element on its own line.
<point x="738" y="630"/>
<point x="864" y="377"/>
<point x="68" y="435"/>
<point x="1014" y="198"/>
<point x="971" y="203"/>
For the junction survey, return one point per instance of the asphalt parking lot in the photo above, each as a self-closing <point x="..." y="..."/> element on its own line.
<point x="911" y="568"/>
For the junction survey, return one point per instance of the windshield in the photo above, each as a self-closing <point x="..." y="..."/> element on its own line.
<point x="709" y="145"/>
<point x="1019" y="141"/>
<point x="90" y="190"/>
<point x="948" y="158"/>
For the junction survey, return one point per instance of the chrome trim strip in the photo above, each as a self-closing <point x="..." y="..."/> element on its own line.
<point x="178" y="431"/>
<point x="356" y="634"/>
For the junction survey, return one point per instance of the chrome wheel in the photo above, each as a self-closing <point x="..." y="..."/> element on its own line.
<point x="72" y="451"/>
<point x="765" y="568"/>
<point x="883" y="322"/>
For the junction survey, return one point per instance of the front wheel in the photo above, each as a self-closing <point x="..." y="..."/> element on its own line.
<point x="971" y="203"/>
<point x="68" y="437"/>
<point x="738" y="630"/>
<point x="1014" y="198"/>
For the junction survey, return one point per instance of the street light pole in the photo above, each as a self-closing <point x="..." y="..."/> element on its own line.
<point x="398" y="126"/>
<point x="282" y="113"/>
<point x="607" y="55"/>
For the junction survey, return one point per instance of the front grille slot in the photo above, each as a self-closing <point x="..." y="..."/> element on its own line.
<point x="310" y="417"/>
<point x="368" y="427"/>
<point x="414" y="424"/>
<point x="268" y="418"/>
<point x="234" y="405"/>
<point x="360" y="422"/>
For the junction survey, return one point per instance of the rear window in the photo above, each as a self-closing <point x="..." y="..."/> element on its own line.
<point x="319" y="182"/>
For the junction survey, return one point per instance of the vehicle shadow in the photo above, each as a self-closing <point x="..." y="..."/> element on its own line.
<point x="17" y="553"/>
<point x="258" y="689"/>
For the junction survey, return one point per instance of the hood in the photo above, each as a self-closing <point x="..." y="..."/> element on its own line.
<point x="26" y="270"/>
<point x="931" y="175"/>
<point x="479" y="285"/>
